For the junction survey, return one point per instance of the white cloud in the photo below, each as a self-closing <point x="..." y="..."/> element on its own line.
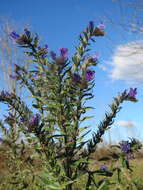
<point x="127" y="63"/>
<point x="126" y="123"/>
<point x="103" y="67"/>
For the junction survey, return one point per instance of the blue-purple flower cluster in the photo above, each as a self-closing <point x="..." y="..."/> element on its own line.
<point x="34" y="120"/>
<point x="104" y="167"/>
<point x="76" y="77"/>
<point x="131" y="94"/>
<point x="92" y="59"/>
<point x="31" y="123"/>
<point x="63" y="55"/>
<point x="5" y="94"/>
<point x="125" y="146"/>
<point x="126" y="149"/>
<point x="89" y="75"/>
<point x="22" y="119"/>
<point x="96" y="30"/>
<point x="14" y="35"/>
<point x="27" y="32"/>
<point x="100" y="26"/>
<point x="17" y="38"/>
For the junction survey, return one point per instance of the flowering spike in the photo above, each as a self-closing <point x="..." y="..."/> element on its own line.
<point x="27" y="32"/>
<point x="34" y="120"/>
<point x="22" y="119"/>
<point x="91" y="59"/>
<point x="76" y="77"/>
<point x="5" y="94"/>
<point x="14" y="35"/>
<point x="125" y="146"/>
<point x="95" y="57"/>
<point x="89" y="75"/>
<point x="132" y="93"/>
<point x="99" y="30"/>
<point x="64" y="52"/>
<point x="46" y="46"/>
<point x="91" y="24"/>
<point x="53" y="55"/>
<point x="101" y="27"/>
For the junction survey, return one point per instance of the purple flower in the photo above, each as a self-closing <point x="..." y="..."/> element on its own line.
<point x="125" y="146"/>
<point x="27" y="32"/>
<point x="86" y="57"/>
<point x="5" y="94"/>
<point x="64" y="52"/>
<point x="22" y="119"/>
<point x="101" y="26"/>
<point x="14" y="35"/>
<point x="76" y="77"/>
<point x="89" y="75"/>
<point x="80" y="36"/>
<point x="95" y="57"/>
<point x="125" y="92"/>
<point x="89" y="58"/>
<point x="34" y="120"/>
<point x="103" y="167"/>
<point x="132" y="93"/>
<point x="53" y="55"/>
<point x="46" y="46"/>
<point x="91" y="24"/>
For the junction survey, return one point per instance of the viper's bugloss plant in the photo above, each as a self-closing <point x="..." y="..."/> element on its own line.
<point x="60" y="88"/>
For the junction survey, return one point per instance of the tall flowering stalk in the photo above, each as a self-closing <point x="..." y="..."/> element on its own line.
<point x="60" y="89"/>
<point x="109" y="117"/>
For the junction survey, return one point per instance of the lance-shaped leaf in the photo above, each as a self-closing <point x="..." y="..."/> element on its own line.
<point x="86" y="117"/>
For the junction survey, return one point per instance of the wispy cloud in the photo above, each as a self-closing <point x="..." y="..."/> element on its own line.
<point x="126" y="123"/>
<point x="127" y="63"/>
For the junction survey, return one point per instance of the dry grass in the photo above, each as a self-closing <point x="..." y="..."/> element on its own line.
<point x="137" y="164"/>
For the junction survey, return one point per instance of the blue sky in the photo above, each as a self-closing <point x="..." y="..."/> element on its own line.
<point x="59" y="23"/>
